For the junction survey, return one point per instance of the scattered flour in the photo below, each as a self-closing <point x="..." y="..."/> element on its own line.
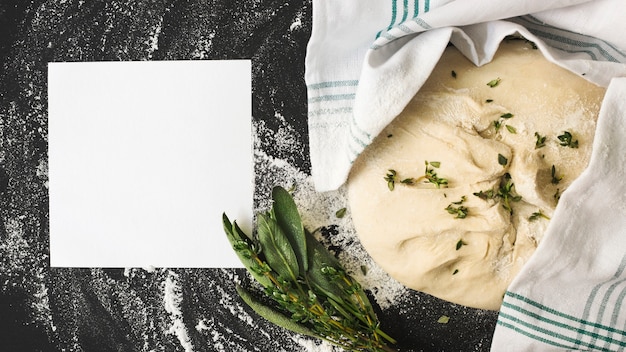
<point x="172" y="298"/>
<point x="318" y="210"/>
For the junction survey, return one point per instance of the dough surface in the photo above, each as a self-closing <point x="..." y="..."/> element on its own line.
<point x="450" y="125"/>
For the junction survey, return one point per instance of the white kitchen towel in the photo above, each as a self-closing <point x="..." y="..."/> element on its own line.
<point x="367" y="58"/>
<point x="571" y="293"/>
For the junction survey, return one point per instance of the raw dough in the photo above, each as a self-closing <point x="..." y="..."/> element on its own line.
<point x="409" y="232"/>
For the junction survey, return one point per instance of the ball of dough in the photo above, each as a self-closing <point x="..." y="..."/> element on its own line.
<point x="454" y="195"/>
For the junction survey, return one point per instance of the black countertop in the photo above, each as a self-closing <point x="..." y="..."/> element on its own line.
<point x="134" y="309"/>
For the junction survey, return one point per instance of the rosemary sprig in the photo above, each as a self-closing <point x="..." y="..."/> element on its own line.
<point x="310" y="291"/>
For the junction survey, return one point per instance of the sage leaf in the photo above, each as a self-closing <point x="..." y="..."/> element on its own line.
<point x="444" y="319"/>
<point x="276" y="248"/>
<point x="272" y="315"/>
<point x="320" y="259"/>
<point x="288" y="218"/>
<point x="236" y="237"/>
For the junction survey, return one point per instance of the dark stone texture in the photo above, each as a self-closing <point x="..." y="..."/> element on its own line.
<point x="56" y="309"/>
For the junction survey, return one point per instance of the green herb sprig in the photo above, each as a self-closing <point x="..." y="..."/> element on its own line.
<point x="494" y="82"/>
<point x="311" y="293"/>
<point x="505" y="193"/>
<point x="538" y="214"/>
<point x="540" y="142"/>
<point x="431" y="175"/>
<point x="456" y="208"/>
<point x="567" y="140"/>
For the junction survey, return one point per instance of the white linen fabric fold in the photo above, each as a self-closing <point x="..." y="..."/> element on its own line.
<point x="570" y="295"/>
<point x="367" y="58"/>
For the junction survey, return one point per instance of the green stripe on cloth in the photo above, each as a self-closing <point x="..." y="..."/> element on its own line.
<point x="551" y="336"/>
<point x="531" y="335"/>
<point x="572" y="42"/>
<point x="556" y="328"/>
<point x="592" y="295"/>
<point x="405" y="10"/>
<point x="330" y="84"/>
<point x="555" y="312"/>
<point x="416" y="8"/>
<point x="394" y="12"/>
<point x="335" y="111"/>
<point x="332" y="97"/>
<point x="562" y="327"/>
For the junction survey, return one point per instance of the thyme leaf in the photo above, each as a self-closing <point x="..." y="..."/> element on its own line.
<point x="431" y="175"/>
<point x="391" y="179"/>
<point x="538" y="214"/>
<point x="555" y="179"/>
<point x="460" y="211"/>
<point x="502" y="160"/>
<point x="505" y="193"/>
<point x="341" y="212"/>
<point x="444" y="319"/>
<point x="494" y="82"/>
<point x="511" y="129"/>
<point x="567" y="140"/>
<point x="540" y="142"/>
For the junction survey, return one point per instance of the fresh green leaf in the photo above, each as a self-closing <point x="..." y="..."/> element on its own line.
<point x="508" y="115"/>
<point x="391" y="179"/>
<point x="272" y="315"/>
<point x="567" y="140"/>
<point x="502" y="160"/>
<point x="408" y="181"/>
<point x="244" y="249"/>
<point x="444" y="319"/>
<point x="540" y="142"/>
<point x="277" y="249"/>
<point x="494" y="82"/>
<point x="489" y="101"/>
<point x="341" y="212"/>
<point x="497" y="124"/>
<point x="511" y="129"/>
<point x="460" y="244"/>
<point x="320" y="259"/>
<point x="288" y="218"/>
<point x="460" y="211"/>
<point x="484" y="195"/>
<point x="431" y="175"/>
<point x="538" y="214"/>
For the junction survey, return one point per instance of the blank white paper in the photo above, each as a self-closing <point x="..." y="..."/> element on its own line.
<point x="144" y="157"/>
